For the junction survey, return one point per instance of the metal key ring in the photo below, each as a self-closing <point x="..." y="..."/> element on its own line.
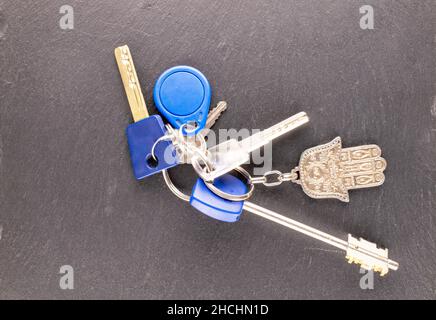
<point x="173" y="188"/>
<point x="170" y="183"/>
<point x="195" y="162"/>
<point x="170" y="136"/>
<point x="188" y="148"/>
<point x="229" y="196"/>
<point x="163" y="138"/>
<point x="185" y="145"/>
<point x="186" y="125"/>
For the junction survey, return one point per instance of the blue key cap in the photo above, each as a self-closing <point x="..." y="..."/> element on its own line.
<point x="214" y="206"/>
<point x="182" y="94"/>
<point x="141" y="136"/>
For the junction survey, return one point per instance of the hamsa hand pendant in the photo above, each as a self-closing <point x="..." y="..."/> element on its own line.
<point x="329" y="171"/>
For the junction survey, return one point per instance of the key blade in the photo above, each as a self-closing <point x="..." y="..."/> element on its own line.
<point x="215" y="113"/>
<point x="368" y="256"/>
<point x="262" y="138"/>
<point x="131" y="83"/>
<point x="230" y="154"/>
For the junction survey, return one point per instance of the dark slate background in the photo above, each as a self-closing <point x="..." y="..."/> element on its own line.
<point x="67" y="191"/>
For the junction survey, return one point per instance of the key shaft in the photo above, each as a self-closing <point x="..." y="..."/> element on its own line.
<point x="262" y="138"/>
<point x="358" y="251"/>
<point x="131" y="83"/>
<point x="230" y="154"/>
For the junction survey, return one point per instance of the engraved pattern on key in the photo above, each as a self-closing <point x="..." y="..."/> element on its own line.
<point x="131" y="83"/>
<point x="328" y="171"/>
<point x="262" y="138"/>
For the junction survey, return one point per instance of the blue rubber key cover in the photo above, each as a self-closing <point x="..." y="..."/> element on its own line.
<point x="214" y="206"/>
<point x="141" y="136"/>
<point x="182" y="94"/>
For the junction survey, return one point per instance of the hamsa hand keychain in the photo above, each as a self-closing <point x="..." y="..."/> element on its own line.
<point x="330" y="171"/>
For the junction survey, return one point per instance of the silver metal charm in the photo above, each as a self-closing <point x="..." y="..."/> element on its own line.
<point x="329" y="171"/>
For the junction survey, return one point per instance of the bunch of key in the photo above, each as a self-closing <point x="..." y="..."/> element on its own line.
<point x="182" y="94"/>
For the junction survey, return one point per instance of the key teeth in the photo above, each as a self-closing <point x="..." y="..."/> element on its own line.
<point x="365" y="266"/>
<point x="367" y="255"/>
<point x="215" y="114"/>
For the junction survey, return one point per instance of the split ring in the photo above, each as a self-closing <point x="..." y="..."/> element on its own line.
<point x="179" y="194"/>
<point x="229" y="196"/>
<point x="163" y="138"/>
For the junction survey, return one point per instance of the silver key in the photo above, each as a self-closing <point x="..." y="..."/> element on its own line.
<point x="358" y="251"/>
<point x="230" y="154"/>
<point x="215" y="113"/>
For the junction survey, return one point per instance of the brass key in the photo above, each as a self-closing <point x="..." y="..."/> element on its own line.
<point x="131" y="83"/>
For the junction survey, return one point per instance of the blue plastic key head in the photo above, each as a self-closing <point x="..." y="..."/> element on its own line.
<point x="214" y="206"/>
<point x="182" y="94"/>
<point x="141" y="136"/>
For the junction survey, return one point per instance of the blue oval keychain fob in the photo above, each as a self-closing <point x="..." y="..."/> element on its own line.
<point x="182" y="95"/>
